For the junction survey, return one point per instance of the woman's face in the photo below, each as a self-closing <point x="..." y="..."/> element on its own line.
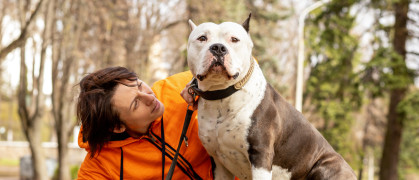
<point x="137" y="106"/>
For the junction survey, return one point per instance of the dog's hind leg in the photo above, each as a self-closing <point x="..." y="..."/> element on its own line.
<point x="331" y="166"/>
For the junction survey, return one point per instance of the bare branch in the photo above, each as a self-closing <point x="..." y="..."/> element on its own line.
<point x="413" y="53"/>
<point x="413" y="34"/>
<point x="23" y="35"/>
<point x="172" y="24"/>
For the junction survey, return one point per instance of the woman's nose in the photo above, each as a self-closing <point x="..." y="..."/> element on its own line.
<point x="147" y="98"/>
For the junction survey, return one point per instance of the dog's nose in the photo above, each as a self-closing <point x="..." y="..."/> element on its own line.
<point x="218" y="49"/>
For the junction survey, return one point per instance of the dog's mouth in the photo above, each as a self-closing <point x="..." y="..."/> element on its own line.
<point x="217" y="67"/>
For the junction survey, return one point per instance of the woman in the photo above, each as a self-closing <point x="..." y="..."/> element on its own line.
<point x="122" y="123"/>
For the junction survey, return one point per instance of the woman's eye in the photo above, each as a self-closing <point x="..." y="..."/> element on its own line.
<point x="139" y="86"/>
<point x="136" y="103"/>
<point x="234" y="39"/>
<point x="202" y="38"/>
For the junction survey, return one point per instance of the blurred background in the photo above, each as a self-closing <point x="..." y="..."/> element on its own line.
<point x="358" y="80"/>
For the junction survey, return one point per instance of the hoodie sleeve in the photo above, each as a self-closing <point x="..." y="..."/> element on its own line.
<point x="173" y="85"/>
<point x="91" y="168"/>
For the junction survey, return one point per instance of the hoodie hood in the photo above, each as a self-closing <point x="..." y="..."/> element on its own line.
<point x="110" y="144"/>
<point x="117" y="140"/>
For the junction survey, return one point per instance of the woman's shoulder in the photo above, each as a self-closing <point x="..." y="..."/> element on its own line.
<point x="172" y="85"/>
<point x="178" y="80"/>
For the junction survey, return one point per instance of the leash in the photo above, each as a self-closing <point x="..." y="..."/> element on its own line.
<point x="188" y="118"/>
<point x="163" y="149"/>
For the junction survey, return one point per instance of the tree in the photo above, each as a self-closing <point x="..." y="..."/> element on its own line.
<point x="336" y="85"/>
<point x="65" y="66"/>
<point x="31" y="100"/>
<point x="393" y="136"/>
<point x="151" y="20"/>
<point x="333" y="89"/>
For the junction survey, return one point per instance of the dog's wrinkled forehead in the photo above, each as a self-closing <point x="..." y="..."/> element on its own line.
<point x="214" y="31"/>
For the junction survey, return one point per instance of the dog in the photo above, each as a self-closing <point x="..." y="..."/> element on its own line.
<point x="248" y="129"/>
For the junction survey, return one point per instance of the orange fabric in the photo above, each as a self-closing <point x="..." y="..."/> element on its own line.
<point x="142" y="160"/>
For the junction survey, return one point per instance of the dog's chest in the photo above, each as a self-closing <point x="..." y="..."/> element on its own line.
<point x="224" y="125"/>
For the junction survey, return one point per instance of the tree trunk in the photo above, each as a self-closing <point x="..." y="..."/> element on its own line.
<point x="63" y="167"/>
<point x="391" y="149"/>
<point x="35" y="145"/>
<point x="31" y="123"/>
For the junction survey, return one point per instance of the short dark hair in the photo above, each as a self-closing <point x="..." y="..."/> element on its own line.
<point x="94" y="105"/>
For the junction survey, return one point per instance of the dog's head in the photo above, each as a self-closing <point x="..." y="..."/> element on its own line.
<point x="219" y="54"/>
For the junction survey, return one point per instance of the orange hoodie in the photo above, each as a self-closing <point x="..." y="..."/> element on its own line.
<point x="142" y="158"/>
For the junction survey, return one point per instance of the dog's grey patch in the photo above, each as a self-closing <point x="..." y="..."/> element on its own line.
<point x="219" y="114"/>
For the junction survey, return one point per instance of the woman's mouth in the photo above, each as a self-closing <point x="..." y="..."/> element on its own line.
<point x="157" y="106"/>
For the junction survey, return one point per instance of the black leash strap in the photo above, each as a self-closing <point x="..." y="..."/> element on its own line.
<point x="121" y="171"/>
<point x="182" y="136"/>
<point x="163" y="149"/>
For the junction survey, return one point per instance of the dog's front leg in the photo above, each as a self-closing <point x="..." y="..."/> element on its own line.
<point x="261" y="153"/>
<point x="221" y="173"/>
<point x="261" y="162"/>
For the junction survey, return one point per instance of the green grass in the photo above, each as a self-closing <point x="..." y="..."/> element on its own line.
<point x="9" y="162"/>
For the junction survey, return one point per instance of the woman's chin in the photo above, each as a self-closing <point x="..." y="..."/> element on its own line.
<point x="160" y="110"/>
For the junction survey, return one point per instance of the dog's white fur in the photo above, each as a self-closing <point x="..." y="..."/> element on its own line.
<point x="199" y="58"/>
<point x="223" y="125"/>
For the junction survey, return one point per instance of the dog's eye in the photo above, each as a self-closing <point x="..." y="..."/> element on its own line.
<point x="202" y="38"/>
<point x="233" y="39"/>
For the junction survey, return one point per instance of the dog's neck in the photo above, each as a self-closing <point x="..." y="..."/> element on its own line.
<point x="223" y="93"/>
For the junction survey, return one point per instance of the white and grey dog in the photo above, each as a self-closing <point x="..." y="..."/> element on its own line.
<point x="245" y="125"/>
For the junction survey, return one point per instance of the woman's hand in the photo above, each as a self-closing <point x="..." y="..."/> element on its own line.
<point x="188" y="97"/>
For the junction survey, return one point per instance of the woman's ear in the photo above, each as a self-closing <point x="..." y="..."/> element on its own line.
<point x="121" y="129"/>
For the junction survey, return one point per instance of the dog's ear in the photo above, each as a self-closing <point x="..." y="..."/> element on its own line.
<point x="246" y="23"/>
<point x="191" y="25"/>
